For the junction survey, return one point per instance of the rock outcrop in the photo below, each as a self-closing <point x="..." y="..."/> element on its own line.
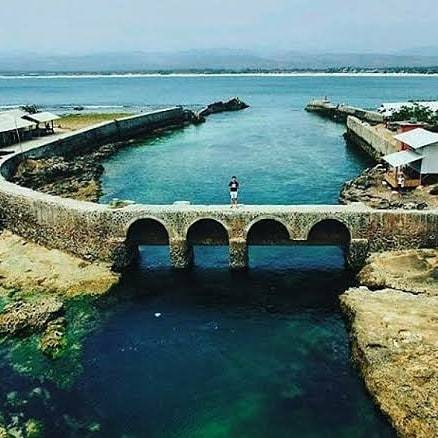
<point x="53" y="341"/>
<point x="394" y="336"/>
<point x="76" y="177"/>
<point x="30" y="267"/>
<point x="414" y="271"/>
<point x="395" y="344"/>
<point x="24" y="318"/>
<point x="371" y="189"/>
<point x="234" y="104"/>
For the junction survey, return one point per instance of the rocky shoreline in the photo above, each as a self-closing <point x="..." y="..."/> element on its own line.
<point x="394" y="337"/>
<point x="47" y="307"/>
<point x="76" y="177"/>
<point x="35" y="284"/>
<point x="371" y="189"/>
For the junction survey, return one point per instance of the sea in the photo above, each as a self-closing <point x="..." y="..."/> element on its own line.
<point x="211" y="353"/>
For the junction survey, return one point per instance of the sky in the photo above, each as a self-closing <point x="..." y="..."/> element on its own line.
<point x="90" y="26"/>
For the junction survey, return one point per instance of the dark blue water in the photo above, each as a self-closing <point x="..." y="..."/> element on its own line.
<point x="210" y="353"/>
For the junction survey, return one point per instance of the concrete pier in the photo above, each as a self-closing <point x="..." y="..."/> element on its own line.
<point x="342" y="112"/>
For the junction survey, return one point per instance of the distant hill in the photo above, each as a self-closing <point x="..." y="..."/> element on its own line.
<point x="420" y="51"/>
<point x="218" y="59"/>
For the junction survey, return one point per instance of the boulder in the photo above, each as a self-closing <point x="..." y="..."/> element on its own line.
<point x="24" y="318"/>
<point x="234" y="104"/>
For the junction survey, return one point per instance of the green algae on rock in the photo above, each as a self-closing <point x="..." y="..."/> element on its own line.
<point x="53" y="341"/>
<point x="55" y="358"/>
<point x="27" y="317"/>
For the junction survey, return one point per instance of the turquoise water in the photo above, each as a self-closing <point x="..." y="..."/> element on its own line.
<point x="210" y="353"/>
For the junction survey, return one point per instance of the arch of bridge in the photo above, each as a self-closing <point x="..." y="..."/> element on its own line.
<point x="237" y="225"/>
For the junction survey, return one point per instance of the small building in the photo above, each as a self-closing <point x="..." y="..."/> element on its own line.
<point x="13" y="128"/>
<point x="18" y="125"/>
<point x="44" y="121"/>
<point x="416" y="160"/>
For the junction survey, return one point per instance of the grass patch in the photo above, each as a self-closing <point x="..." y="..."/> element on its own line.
<point x="78" y="121"/>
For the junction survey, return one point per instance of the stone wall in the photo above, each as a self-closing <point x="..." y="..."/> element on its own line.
<point x="369" y="138"/>
<point x="99" y="134"/>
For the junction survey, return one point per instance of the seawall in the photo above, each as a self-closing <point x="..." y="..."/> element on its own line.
<point x="371" y="139"/>
<point x="97" y="135"/>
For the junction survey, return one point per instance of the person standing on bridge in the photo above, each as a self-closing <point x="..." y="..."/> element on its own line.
<point x="234" y="191"/>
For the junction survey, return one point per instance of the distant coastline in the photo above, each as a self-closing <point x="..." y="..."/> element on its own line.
<point x="90" y="75"/>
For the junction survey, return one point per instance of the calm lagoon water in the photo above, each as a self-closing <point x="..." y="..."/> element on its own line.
<point x="210" y="353"/>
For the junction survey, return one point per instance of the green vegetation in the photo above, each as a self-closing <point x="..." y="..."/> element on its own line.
<point x="78" y="121"/>
<point x="417" y="113"/>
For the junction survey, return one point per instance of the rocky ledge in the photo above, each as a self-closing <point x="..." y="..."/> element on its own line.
<point x="394" y="336"/>
<point x="413" y="271"/>
<point x="75" y="177"/>
<point x="30" y="267"/>
<point x="371" y="189"/>
<point x="24" y="318"/>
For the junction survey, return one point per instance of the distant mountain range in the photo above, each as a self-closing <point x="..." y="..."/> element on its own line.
<point x="215" y="60"/>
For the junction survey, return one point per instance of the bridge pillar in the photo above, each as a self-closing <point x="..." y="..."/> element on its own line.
<point x="357" y="254"/>
<point x="181" y="253"/>
<point x="122" y="254"/>
<point x="238" y="253"/>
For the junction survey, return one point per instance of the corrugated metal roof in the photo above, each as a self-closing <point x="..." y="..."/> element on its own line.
<point x="10" y="123"/>
<point x="418" y="138"/>
<point x="41" y="117"/>
<point x="398" y="159"/>
<point x="15" y="113"/>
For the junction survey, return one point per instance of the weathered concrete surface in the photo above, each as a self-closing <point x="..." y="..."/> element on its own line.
<point x="374" y="140"/>
<point x="395" y="345"/>
<point x="97" y="232"/>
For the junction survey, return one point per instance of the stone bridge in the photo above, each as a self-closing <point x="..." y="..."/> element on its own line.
<point x="99" y="232"/>
<point x="357" y="229"/>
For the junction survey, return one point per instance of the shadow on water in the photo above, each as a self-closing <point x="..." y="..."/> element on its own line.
<point x="291" y="276"/>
